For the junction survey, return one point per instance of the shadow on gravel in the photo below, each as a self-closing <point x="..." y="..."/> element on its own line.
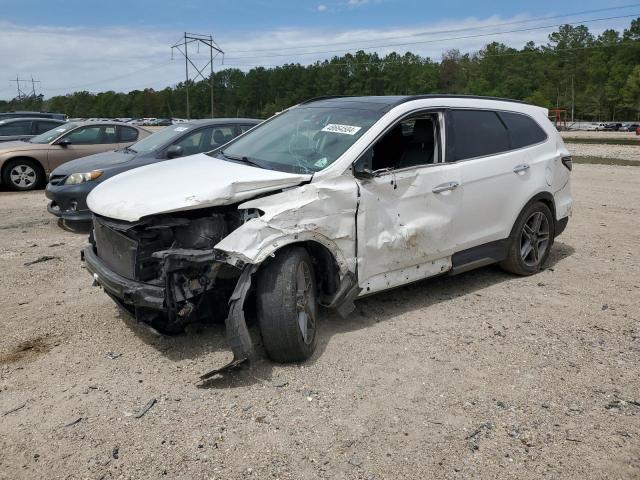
<point x="75" y="227"/>
<point x="201" y="339"/>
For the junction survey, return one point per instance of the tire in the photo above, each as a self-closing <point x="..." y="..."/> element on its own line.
<point x="523" y="257"/>
<point x="22" y="174"/>
<point x="287" y="302"/>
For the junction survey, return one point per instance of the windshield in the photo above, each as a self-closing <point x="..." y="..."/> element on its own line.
<point x="303" y="139"/>
<point x="50" y="135"/>
<point x="158" y="139"/>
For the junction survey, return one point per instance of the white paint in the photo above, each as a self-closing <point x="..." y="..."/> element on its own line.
<point x="391" y="229"/>
<point x="184" y="183"/>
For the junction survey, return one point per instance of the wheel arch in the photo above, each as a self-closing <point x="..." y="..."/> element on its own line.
<point x="325" y="262"/>
<point x="544" y="197"/>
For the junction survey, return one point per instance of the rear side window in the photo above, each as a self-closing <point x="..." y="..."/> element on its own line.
<point x="128" y="134"/>
<point x="478" y="133"/>
<point x="45" y="127"/>
<point x="523" y="130"/>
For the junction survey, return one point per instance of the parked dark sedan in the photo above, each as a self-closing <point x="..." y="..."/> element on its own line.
<point x="70" y="183"/>
<point x="24" y="128"/>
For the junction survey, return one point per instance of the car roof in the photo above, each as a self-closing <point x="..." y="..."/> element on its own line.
<point x="218" y="121"/>
<point x="40" y="119"/>
<point x="387" y="102"/>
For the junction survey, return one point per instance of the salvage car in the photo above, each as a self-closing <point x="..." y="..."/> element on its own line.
<point x="326" y="202"/>
<point x="25" y="165"/>
<point x="71" y="182"/>
<point x="25" y="128"/>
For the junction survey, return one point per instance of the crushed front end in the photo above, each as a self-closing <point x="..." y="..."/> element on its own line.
<point x="164" y="270"/>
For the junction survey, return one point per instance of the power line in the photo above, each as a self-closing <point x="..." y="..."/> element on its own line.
<point x="463" y="37"/>
<point x="439" y="32"/>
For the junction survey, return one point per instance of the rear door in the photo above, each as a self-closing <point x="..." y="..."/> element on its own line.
<point x="498" y="171"/>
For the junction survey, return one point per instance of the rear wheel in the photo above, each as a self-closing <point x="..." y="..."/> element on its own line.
<point x="22" y="174"/>
<point x="530" y="241"/>
<point x="287" y="306"/>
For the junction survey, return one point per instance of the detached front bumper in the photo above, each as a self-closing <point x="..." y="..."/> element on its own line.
<point x="130" y="292"/>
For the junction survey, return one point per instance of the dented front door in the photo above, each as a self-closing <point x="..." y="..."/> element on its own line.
<point x="406" y="225"/>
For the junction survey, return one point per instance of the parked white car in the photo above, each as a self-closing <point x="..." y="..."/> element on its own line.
<point x="326" y="202"/>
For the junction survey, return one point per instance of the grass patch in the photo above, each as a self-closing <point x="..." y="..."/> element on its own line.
<point x="606" y="161"/>
<point x="603" y="141"/>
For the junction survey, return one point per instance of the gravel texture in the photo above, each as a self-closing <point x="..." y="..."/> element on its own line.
<point x="483" y="375"/>
<point x="623" y="152"/>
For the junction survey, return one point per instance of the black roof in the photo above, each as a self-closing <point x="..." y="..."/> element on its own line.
<point x="387" y="102"/>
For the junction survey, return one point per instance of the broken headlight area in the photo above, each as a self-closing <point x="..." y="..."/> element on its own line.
<point x="165" y="270"/>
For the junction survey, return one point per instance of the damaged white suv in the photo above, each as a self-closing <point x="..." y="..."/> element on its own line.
<point x="328" y="201"/>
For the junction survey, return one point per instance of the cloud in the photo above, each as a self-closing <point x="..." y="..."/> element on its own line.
<point x="124" y="59"/>
<point x="321" y="8"/>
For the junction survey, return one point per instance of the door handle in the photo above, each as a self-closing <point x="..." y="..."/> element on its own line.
<point x="521" y="168"/>
<point x="445" y="187"/>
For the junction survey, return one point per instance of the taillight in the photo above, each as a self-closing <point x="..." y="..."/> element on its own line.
<point x="566" y="161"/>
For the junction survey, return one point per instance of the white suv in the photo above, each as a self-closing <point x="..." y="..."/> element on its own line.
<point x="328" y="201"/>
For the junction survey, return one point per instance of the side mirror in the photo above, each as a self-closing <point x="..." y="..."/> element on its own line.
<point x="65" y="142"/>
<point x="362" y="166"/>
<point x="174" y="151"/>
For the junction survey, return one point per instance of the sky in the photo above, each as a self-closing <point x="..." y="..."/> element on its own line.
<point x="71" y="45"/>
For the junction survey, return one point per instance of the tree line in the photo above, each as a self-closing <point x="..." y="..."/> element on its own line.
<point x="591" y="77"/>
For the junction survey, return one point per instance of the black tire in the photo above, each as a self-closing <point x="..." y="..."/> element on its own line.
<point x="523" y="258"/>
<point x="31" y="174"/>
<point x="280" y="302"/>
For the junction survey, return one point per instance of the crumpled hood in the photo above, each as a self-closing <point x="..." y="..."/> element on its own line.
<point x="186" y="183"/>
<point x="94" y="162"/>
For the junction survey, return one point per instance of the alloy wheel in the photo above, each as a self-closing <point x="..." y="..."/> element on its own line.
<point x="305" y="303"/>
<point x="23" y="176"/>
<point x="534" y="240"/>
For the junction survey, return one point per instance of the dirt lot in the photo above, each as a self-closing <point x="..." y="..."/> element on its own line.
<point x="482" y="375"/>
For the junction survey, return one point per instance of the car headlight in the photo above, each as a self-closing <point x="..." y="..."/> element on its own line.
<point x="76" y="178"/>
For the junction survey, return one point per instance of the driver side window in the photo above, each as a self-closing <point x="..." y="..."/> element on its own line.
<point x="85" y="135"/>
<point x="412" y="142"/>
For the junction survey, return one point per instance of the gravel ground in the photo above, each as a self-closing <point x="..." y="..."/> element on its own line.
<point x="623" y="152"/>
<point x="483" y="375"/>
<point x="593" y="134"/>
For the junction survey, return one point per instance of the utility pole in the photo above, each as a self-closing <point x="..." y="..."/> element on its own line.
<point x="573" y="98"/>
<point x="21" y="93"/>
<point x="182" y="47"/>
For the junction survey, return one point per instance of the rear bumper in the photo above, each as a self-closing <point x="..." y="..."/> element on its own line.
<point x="130" y="292"/>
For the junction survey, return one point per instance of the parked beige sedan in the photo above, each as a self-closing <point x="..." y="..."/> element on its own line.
<point x="24" y="165"/>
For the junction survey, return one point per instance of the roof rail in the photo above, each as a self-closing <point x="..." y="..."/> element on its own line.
<point x="323" y="97"/>
<point x="454" y="95"/>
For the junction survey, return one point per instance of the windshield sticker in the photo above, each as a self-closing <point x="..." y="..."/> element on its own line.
<point x="181" y="129"/>
<point x="344" y="129"/>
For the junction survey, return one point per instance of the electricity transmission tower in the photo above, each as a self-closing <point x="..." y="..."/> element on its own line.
<point x="22" y="95"/>
<point x="182" y="46"/>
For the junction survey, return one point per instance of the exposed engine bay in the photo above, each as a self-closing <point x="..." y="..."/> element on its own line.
<point x="177" y="277"/>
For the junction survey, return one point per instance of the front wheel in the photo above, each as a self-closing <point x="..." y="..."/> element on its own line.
<point x="287" y="306"/>
<point x="531" y="241"/>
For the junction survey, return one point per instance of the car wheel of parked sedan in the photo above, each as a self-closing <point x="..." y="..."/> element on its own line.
<point x="287" y="306"/>
<point x="22" y="174"/>
<point x="531" y="241"/>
